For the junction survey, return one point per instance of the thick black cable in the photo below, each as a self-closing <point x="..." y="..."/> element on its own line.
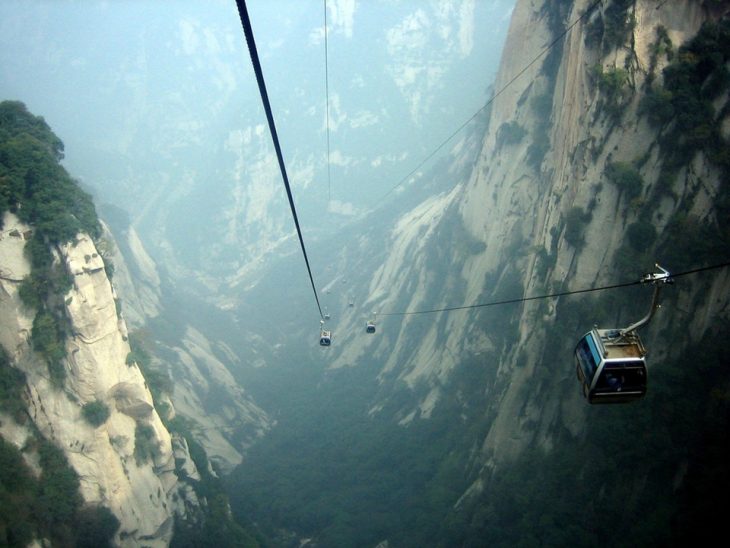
<point x="490" y="100"/>
<point x="248" y="32"/>
<point x="550" y="295"/>
<point x="327" y="104"/>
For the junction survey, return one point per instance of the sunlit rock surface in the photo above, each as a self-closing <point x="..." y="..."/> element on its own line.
<point x="139" y="494"/>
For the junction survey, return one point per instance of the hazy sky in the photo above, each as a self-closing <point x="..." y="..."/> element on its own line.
<point x="157" y="100"/>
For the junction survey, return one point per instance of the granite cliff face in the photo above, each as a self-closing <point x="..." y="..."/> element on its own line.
<point x="542" y="211"/>
<point x="130" y="463"/>
<point x="144" y="494"/>
<point x="514" y="197"/>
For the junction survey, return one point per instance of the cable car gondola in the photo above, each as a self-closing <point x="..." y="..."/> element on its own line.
<point x="610" y="363"/>
<point x="611" y="366"/>
<point x="325" y="336"/>
<point x="370" y="327"/>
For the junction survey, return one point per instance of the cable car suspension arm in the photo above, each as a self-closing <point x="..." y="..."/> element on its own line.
<point x="658" y="279"/>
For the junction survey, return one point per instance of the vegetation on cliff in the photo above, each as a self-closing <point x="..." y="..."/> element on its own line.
<point x="35" y="187"/>
<point x="34" y="184"/>
<point x="47" y="506"/>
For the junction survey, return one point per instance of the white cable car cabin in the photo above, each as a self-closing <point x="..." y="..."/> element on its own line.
<point x="610" y="363"/>
<point x="370" y="327"/>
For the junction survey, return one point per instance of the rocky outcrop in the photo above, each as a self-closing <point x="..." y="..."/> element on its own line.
<point x="513" y="196"/>
<point x="16" y="321"/>
<point x="219" y="409"/>
<point x="135" y="276"/>
<point x="140" y="490"/>
<point x="223" y="418"/>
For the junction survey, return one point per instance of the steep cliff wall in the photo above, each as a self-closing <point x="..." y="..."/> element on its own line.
<point x="139" y="281"/>
<point x="543" y="211"/>
<point x="586" y="137"/>
<point x="139" y="488"/>
<point x="222" y="416"/>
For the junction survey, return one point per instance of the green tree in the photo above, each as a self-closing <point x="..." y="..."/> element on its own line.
<point x="641" y="235"/>
<point x="510" y="133"/>
<point x="575" y="222"/>
<point x="626" y="178"/>
<point x="58" y="496"/>
<point x="145" y="443"/>
<point x="12" y="382"/>
<point x="96" y="527"/>
<point x="613" y="84"/>
<point x="95" y="412"/>
<point x="17" y="492"/>
<point x="48" y="341"/>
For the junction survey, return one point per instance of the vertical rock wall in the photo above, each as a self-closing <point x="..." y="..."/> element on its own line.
<point x="140" y="493"/>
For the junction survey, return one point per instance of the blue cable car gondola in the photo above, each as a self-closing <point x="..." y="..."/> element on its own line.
<point x="610" y="363"/>
<point x="610" y="366"/>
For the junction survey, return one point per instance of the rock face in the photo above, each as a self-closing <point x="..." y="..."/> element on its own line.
<point x="207" y="394"/>
<point x="543" y="162"/>
<point x="135" y="277"/>
<point x="139" y="492"/>
<point x="512" y="197"/>
<point x="222" y="417"/>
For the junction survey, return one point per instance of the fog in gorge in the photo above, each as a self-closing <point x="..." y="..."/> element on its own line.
<point x="161" y="117"/>
<point x="463" y="427"/>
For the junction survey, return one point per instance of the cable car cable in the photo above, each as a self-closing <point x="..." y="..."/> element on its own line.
<point x="491" y="100"/>
<point x="248" y="32"/>
<point x="327" y="105"/>
<point x="550" y="295"/>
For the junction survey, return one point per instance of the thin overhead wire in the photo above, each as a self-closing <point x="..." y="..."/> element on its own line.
<point x="248" y="32"/>
<point x="327" y="104"/>
<point x="490" y="101"/>
<point x="550" y="295"/>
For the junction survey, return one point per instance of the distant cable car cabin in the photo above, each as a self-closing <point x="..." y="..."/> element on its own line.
<point x="610" y="363"/>
<point x="325" y="336"/>
<point x="370" y="328"/>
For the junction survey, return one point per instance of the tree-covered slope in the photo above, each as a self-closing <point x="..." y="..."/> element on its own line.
<point x="33" y="183"/>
